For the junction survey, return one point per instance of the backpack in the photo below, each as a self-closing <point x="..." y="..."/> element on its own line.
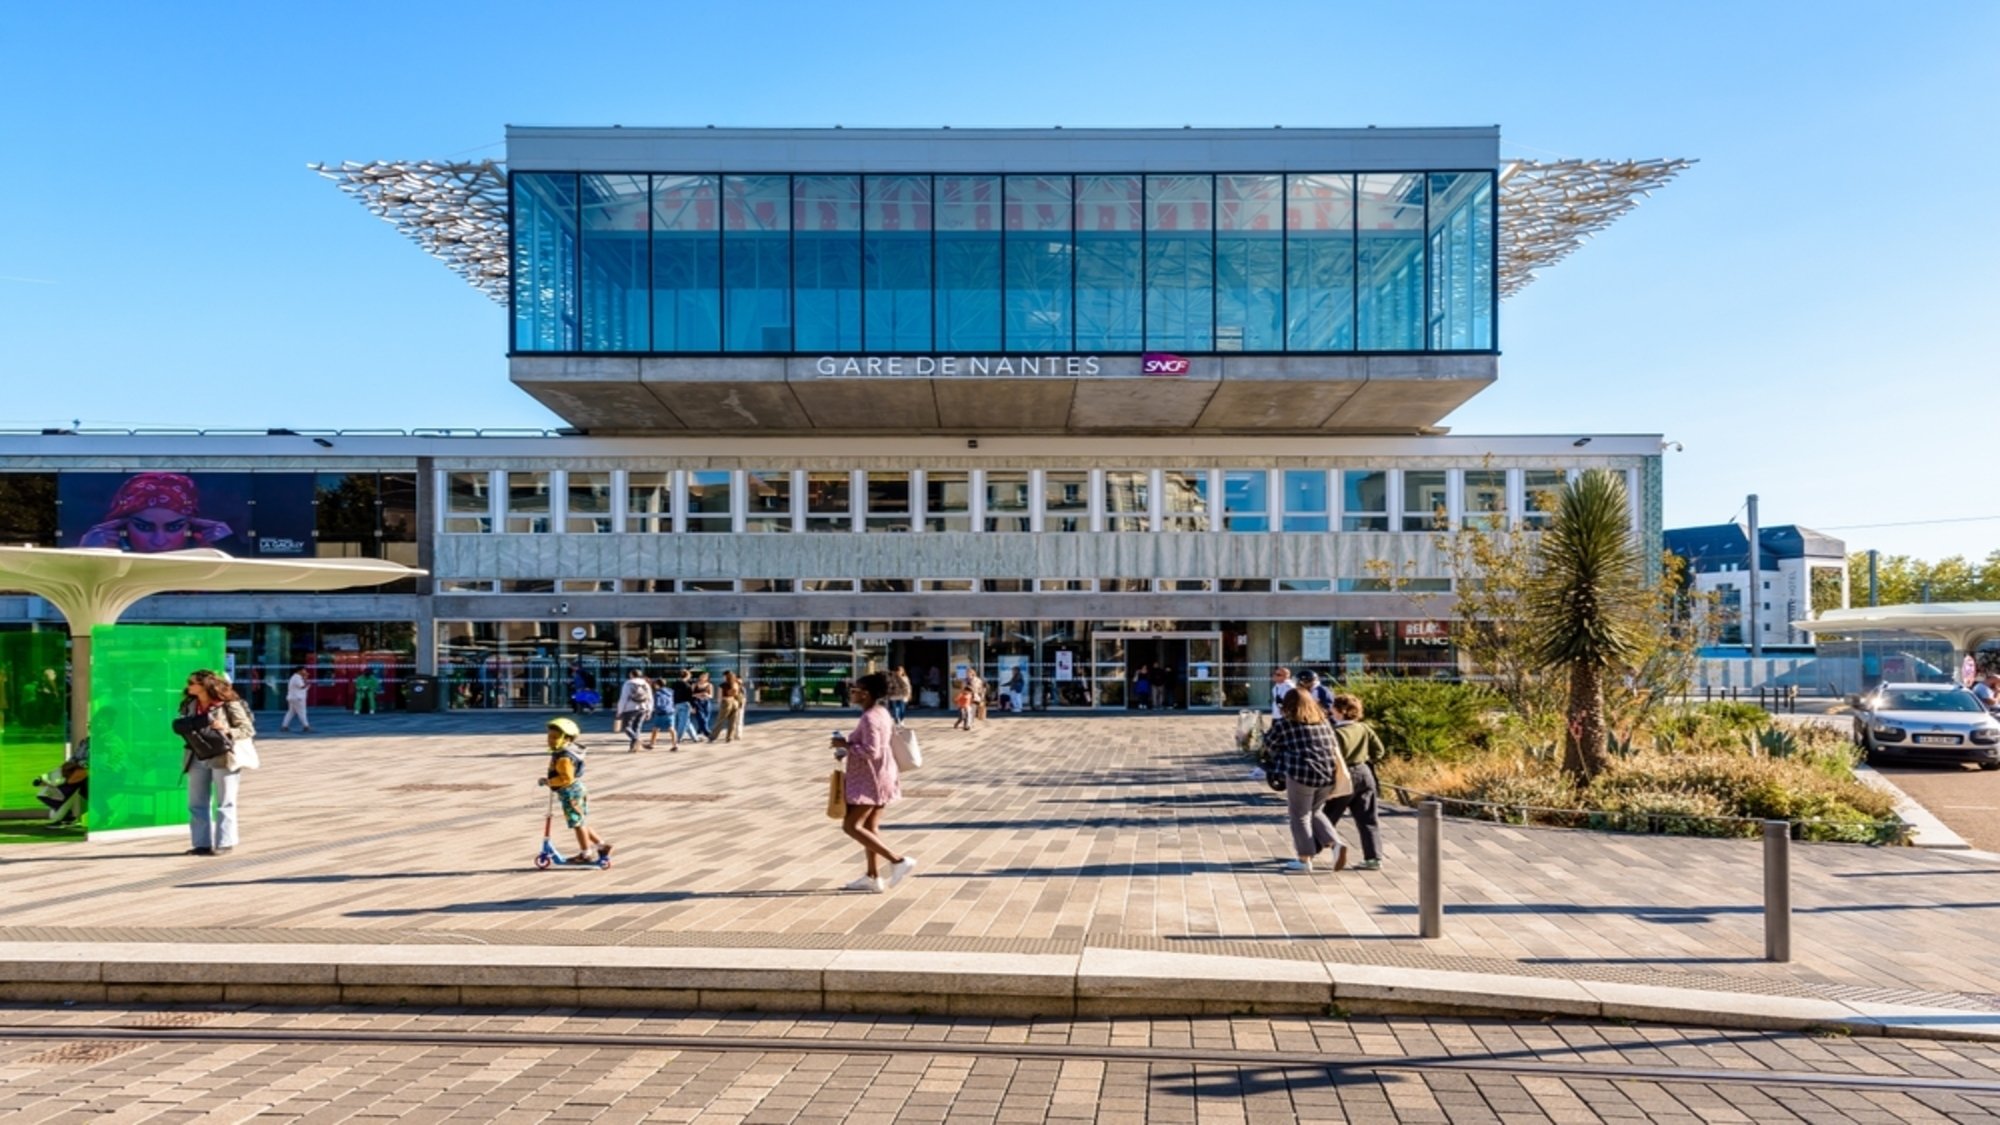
<point x="903" y="744"/>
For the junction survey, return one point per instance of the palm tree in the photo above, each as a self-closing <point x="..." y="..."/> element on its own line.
<point x="1584" y="605"/>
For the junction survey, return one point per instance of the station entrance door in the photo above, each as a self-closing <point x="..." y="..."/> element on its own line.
<point x="931" y="660"/>
<point x="1181" y="671"/>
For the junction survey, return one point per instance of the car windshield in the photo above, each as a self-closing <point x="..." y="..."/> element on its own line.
<point x="1940" y="699"/>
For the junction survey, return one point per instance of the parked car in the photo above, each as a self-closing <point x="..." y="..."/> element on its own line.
<point x="1926" y="723"/>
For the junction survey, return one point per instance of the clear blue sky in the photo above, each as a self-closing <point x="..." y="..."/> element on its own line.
<point x="1811" y="310"/>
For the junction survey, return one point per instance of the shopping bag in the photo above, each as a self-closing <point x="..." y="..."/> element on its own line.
<point x="903" y="744"/>
<point x="836" y="794"/>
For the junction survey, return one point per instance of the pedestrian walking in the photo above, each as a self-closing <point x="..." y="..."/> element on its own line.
<point x="683" y="692"/>
<point x="979" y="693"/>
<point x="729" y="718"/>
<point x="297" y="690"/>
<point x="635" y="706"/>
<point x="871" y="783"/>
<point x="899" y="693"/>
<point x="219" y="738"/>
<point x="962" y="699"/>
<point x="1361" y="748"/>
<point x="1304" y="753"/>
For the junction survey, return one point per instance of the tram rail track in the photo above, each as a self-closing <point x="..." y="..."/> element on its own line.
<point x="1240" y="1059"/>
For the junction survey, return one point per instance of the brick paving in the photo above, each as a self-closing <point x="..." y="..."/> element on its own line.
<point x="1034" y="834"/>
<point x="827" y="1068"/>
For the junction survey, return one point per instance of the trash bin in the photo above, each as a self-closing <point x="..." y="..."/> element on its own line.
<point x="420" y="693"/>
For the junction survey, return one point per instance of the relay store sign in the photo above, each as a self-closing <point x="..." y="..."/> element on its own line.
<point x="1001" y="366"/>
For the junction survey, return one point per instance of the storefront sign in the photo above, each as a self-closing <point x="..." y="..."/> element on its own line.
<point x="1065" y="666"/>
<point x="960" y="366"/>
<point x="1162" y="363"/>
<point x="1316" y="643"/>
<point x="1425" y="632"/>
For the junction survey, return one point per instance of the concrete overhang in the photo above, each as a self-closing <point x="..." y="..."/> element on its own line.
<point x="912" y="395"/>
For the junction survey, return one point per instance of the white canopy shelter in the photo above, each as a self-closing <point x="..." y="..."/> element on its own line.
<point x="93" y="586"/>
<point x="1967" y="625"/>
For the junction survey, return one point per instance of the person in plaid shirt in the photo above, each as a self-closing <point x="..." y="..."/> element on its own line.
<point x="1303" y="751"/>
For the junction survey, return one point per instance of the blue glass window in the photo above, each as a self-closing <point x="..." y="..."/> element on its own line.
<point x="1038" y="264"/>
<point x="1180" y="263"/>
<point x="1305" y="500"/>
<point x="1245" y="502"/>
<point x="968" y="263"/>
<point x="1110" y="257"/>
<point x="687" y="264"/>
<point x="1461" y="260"/>
<point x="1390" y="261"/>
<point x="1364" y="500"/>
<point x="826" y="262"/>
<point x="544" y="267"/>
<point x="614" y="267"/>
<point x="1249" y="263"/>
<point x="1319" y="249"/>
<point x="897" y="267"/>
<point x="756" y="264"/>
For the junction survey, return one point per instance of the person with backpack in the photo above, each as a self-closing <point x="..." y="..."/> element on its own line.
<point x="871" y="783"/>
<point x="565" y="776"/>
<point x="635" y="706"/>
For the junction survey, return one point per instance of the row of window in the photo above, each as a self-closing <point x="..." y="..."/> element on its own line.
<point x="700" y="263"/>
<point x="937" y="585"/>
<point x="998" y="500"/>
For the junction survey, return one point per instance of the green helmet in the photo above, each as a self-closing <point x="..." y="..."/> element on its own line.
<point x="566" y="725"/>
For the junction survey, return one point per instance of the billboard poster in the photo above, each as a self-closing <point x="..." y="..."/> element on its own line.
<point x="1316" y="643"/>
<point x="250" y="515"/>
<point x="1013" y="671"/>
<point x="1065" y="666"/>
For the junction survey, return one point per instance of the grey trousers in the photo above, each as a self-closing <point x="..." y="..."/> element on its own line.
<point x="1311" y="830"/>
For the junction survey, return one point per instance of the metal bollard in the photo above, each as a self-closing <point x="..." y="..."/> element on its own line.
<point x="1777" y="890"/>
<point x="1430" y="874"/>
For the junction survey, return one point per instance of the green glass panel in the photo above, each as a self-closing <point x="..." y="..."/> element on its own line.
<point x="32" y="729"/>
<point x="137" y="675"/>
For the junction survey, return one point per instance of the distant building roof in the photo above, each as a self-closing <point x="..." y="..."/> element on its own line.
<point x="1724" y="546"/>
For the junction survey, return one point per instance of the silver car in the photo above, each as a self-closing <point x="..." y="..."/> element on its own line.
<point x="1926" y="723"/>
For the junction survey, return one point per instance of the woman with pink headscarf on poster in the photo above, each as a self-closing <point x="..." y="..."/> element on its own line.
<point x="155" y="512"/>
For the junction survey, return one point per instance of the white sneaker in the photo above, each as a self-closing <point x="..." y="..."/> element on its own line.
<point x="1297" y="867"/>
<point x="900" y="870"/>
<point x="866" y="885"/>
<point x="1340" y="856"/>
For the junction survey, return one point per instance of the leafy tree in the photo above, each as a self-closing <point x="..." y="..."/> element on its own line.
<point x="1584" y="605"/>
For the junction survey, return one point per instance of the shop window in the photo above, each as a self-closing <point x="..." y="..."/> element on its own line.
<point x="1364" y="500"/>
<point x="948" y="501"/>
<point x="649" y="503"/>
<point x="950" y="585"/>
<point x="528" y="507"/>
<point x="468" y="503"/>
<point x="888" y="498"/>
<point x="1182" y="585"/>
<point x="766" y="585"/>
<point x="1125" y="585"/>
<point x="1007" y="585"/>
<point x="1007" y="506"/>
<point x="1184" y="499"/>
<point x="648" y="585"/>
<point x="887" y="586"/>
<point x="1245" y="585"/>
<point x="1066" y="585"/>
<point x="527" y="585"/>
<point x="346" y="516"/>
<point x="1246" y="500"/>
<point x="587" y="586"/>
<point x="827" y="502"/>
<point x="826" y="585"/>
<point x="1424" y="500"/>
<point x="1304" y="585"/>
<point x="708" y="585"/>
<point x="767" y="500"/>
<point x="1483" y="499"/>
<point x="1066" y="501"/>
<point x="708" y="501"/>
<point x="589" y="499"/>
<point x="1128" y="500"/>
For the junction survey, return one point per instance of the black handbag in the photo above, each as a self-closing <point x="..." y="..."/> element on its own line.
<point x="202" y="739"/>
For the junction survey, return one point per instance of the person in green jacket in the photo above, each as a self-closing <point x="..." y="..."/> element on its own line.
<point x="1362" y="748"/>
<point x="365" y="687"/>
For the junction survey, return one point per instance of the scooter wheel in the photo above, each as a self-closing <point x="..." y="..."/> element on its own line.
<point x="542" y="862"/>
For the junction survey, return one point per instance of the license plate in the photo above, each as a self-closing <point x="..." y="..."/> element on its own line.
<point x="1938" y="739"/>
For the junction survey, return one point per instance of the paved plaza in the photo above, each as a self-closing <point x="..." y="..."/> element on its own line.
<point x="1035" y="835"/>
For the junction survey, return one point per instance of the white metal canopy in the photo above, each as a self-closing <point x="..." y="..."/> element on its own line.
<point x="93" y="586"/>
<point x="1967" y="625"/>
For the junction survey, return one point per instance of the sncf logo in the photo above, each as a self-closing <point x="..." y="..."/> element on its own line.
<point x="1163" y="363"/>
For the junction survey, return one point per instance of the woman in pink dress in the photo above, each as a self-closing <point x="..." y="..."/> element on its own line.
<point x="871" y="782"/>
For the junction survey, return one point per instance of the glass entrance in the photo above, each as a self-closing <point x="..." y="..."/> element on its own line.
<point x="1157" y="671"/>
<point x="933" y="661"/>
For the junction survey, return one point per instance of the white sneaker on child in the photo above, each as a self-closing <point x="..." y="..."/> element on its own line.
<point x="866" y="884"/>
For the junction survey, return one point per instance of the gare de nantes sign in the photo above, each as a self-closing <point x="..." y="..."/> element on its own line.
<point x="997" y="366"/>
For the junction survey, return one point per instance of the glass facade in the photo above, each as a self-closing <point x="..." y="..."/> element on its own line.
<point x="680" y="263"/>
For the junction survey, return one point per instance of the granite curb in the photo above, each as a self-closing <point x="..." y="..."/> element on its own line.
<point x="1097" y="982"/>
<point x="1926" y="830"/>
